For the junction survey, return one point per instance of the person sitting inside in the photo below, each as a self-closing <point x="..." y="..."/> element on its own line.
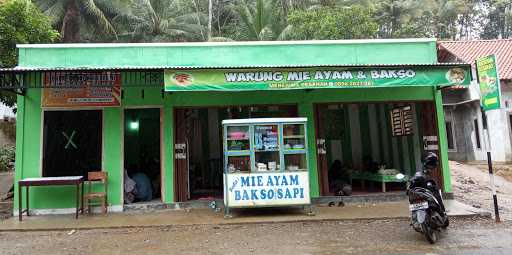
<point x="129" y="189"/>
<point x="143" y="187"/>
<point x="339" y="179"/>
<point x="369" y="165"/>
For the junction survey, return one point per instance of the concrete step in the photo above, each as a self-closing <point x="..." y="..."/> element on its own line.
<point x="219" y="203"/>
<point x="159" y="205"/>
<point x="377" y="211"/>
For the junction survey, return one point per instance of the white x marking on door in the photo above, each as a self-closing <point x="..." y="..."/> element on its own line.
<point x="70" y="140"/>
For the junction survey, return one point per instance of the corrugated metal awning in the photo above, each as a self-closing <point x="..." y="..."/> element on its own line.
<point x="146" y="76"/>
<point x="131" y="68"/>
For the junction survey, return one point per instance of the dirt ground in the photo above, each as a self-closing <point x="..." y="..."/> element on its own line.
<point x="471" y="186"/>
<point x="6" y="180"/>
<point x="345" y="237"/>
<point x="5" y="210"/>
<point x="503" y="170"/>
<point x="464" y="236"/>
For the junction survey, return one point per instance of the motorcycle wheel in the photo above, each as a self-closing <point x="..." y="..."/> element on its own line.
<point x="430" y="233"/>
<point x="446" y="223"/>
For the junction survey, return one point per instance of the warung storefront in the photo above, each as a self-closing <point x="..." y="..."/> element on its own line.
<point x="152" y="114"/>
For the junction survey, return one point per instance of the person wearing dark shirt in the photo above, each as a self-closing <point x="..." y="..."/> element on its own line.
<point x="339" y="179"/>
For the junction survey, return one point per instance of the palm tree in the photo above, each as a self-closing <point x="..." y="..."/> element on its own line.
<point x="71" y="16"/>
<point x="261" y="21"/>
<point x="498" y="19"/>
<point x="394" y="16"/>
<point x="444" y="16"/>
<point x="161" y="21"/>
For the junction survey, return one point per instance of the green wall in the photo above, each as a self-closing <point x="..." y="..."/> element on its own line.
<point x="355" y="52"/>
<point x="443" y="143"/>
<point x="289" y="53"/>
<point x="305" y="101"/>
<point x="112" y="154"/>
<point x="29" y="130"/>
<point x="28" y="148"/>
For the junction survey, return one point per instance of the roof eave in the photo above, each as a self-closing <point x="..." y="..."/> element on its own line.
<point x="85" y="68"/>
<point x="237" y="43"/>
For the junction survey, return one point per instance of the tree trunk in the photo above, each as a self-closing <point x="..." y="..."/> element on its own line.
<point x="198" y="20"/>
<point x="284" y="6"/>
<point x="219" y="32"/>
<point x="506" y="33"/>
<point x="210" y="10"/>
<point x="70" y="30"/>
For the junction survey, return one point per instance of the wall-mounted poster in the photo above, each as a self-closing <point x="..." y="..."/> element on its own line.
<point x="430" y="143"/>
<point x="401" y="121"/>
<point x="79" y="89"/>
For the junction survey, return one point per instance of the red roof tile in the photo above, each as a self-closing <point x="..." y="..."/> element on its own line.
<point x="469" y="51"/>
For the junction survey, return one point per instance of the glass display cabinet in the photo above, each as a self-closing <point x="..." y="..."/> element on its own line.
<point x="265" y="163"/>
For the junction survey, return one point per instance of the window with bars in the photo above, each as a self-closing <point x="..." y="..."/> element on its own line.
<point x="477" y="134"/>
<point x="450" y="135"/>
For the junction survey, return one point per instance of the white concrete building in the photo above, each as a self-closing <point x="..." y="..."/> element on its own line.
<point x="6" y="113"/>
<point x="466" y="137"/>
<point x="7" y="122"/>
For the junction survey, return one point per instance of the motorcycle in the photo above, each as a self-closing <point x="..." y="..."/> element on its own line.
<point x="428" y="214"/>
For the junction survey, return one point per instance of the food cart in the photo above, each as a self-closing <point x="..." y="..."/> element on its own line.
<point x="265" y="163"/>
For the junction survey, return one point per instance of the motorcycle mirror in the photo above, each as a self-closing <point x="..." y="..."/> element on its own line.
<point x="400" y="176"/>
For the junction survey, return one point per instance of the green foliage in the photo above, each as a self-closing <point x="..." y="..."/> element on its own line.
<point x="354" y="22"/>
<point x="21" y="22"/>
<point x="446" y="19"/>
<point x="444" y="16"/>
<point x="161" y="21"/>
<point x="260" y="20"/>
<point x="188" y="20"/>
<point x="223" y="16"/>
<point x="8" y="99"/>
<point x="84" y="20"/>
<point x="398" y="18"/>
<point x="499" y="23"/>
<point x="7" y="155"/>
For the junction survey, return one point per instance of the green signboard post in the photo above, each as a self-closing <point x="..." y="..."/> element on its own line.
<point x="489" y="82"/>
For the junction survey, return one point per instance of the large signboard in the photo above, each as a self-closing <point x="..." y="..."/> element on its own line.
<point x="310" y="78"/>
<point x="77" y="89"/>
<point x="489" y="82"/>
<point x="267" y="189"/>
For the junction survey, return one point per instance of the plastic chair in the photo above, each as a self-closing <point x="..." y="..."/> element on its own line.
<point x="96" y="198"/>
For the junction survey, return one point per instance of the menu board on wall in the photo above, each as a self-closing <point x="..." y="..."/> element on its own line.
<point x="81" y="89"/>
<point x="401" y="121"/>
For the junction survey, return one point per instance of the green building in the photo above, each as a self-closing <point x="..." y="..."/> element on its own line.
<point x="155" y="110"/>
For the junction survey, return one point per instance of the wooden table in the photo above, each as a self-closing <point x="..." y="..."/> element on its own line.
<point x="51" y="181"/>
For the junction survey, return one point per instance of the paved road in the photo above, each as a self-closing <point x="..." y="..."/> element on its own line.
<point x="345" y="237"/>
